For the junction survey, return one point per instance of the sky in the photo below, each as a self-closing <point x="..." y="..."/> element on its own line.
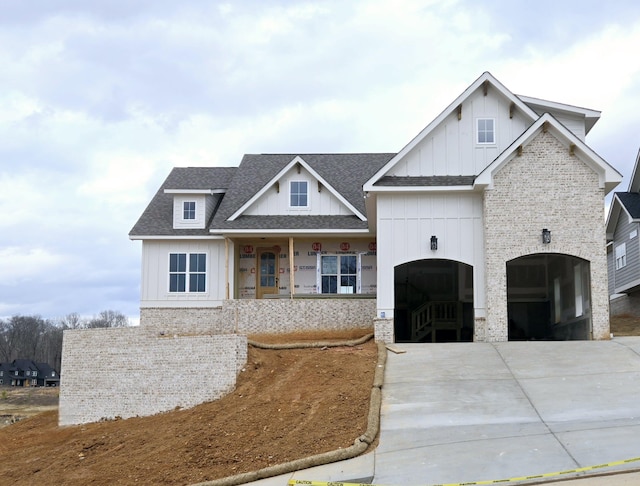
<point x="100" y="99"/>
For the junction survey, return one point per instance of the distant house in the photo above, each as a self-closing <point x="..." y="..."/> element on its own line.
<point x="486" y="226"/>
<point x="25" y="372"/>
<point x="623" y="248"/>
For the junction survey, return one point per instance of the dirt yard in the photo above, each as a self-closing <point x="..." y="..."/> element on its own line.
<point x="288" y="404"/>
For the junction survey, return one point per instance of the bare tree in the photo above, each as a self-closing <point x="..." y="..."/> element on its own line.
<point x="109" y="318"/>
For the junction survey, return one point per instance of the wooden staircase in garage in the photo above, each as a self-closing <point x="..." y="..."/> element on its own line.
<point x="432" y="317"/>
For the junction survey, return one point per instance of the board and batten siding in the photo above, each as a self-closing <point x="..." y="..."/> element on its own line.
<point x="276" y="199"/>
<point x="451" y="148"/>
<point x="155" y="274"/>
<point x="406" y="223"/>
<point x="629" y="275"/>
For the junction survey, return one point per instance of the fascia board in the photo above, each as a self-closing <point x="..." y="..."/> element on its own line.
<point x="612" y="217"/>
<point x="175" y="237"/>
<point x="634" y="183"/>
<point x="609" y="177"/>
<point x="280" y="232"/>
<point x="404" y="189"/>
<point x="195" y="191"/>
<point x="369" y="185"/>
<point x="296" y="160"/>
<point x="554" y="105"/>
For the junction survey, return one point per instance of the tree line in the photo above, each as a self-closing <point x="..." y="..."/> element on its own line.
<point x="40" y="340"/>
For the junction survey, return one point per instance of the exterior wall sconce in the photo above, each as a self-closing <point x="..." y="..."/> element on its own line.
<point x="434" y="243"/>
<point x="546" y="236"/>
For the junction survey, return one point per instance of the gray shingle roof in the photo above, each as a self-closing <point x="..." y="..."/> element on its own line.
<point x="157" y="218"/>
<point x="346" y="173"/>
<point x="408" y="181"/>
<point x="631" y="202"/>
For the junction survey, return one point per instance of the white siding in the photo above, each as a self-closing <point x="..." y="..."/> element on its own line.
<point x="451" y="148"/>
<point x="178" y="221"/>
<point x="406" y="223"/>
<point x="275" y="201"/>
<point x="155" y="274"/>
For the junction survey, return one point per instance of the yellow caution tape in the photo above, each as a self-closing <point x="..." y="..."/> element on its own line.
<point x="293" y="482"/>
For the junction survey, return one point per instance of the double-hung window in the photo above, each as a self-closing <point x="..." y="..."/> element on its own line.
<point x="189" y="210"/>
<point x="187" y="272"/>
<point x="621" y="256"/>
<point x="338" y="274"/>
<point x="486" y="131"/>
<point x="299" y="194"/>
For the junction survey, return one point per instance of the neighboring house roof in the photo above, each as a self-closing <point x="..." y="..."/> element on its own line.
<point x="157" y="218"/>
<point x="631" y="203"/>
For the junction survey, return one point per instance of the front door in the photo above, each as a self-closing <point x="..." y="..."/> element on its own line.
<point x="267" y="272"/>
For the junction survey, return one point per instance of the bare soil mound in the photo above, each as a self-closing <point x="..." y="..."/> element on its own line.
<point x="288" y="404"/>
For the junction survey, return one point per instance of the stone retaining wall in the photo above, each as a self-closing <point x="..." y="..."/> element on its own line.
<point x="127" y="372"/>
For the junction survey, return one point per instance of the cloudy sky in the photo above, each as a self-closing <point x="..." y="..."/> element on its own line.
<point x="99" y="99"/>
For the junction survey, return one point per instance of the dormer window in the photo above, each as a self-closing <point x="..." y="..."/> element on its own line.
<point x="189" y="210"/>
<point x="299" y="194"/>
<point x="486" y="131"/>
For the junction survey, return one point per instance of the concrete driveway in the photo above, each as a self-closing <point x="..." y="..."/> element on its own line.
<point x="471" y="412"/>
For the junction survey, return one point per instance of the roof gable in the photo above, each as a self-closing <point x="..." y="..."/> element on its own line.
<point x="341" y="174"/>
<point x="609" y="177"/>
<point x="157" y="218"/>
<point x="455" y="109"/>
<point x="295" y="165"/>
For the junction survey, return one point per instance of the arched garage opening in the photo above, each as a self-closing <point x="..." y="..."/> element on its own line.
<point x="548" y="297"/>
<point x="433" y="301"/>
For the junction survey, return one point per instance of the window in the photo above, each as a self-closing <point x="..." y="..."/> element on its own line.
<point x="187" y="272"/>
<point x="339" y="274"/>
<point x="621" y="256"/>
<point x="486" y="131"/>
<point x="34" y="373"/>
<point x="299" y="194"/>
<point x="34" y="382"/>
<point x="189" y="210"/>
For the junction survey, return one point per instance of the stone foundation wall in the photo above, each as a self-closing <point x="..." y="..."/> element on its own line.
<point x="272" y="316"/>
<point x="279" y="316"/>
<point x="127" y="372"/>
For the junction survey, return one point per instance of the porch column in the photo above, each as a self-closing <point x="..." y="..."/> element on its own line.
<point x="226" y="268"/>
<point x="291" y="274"/>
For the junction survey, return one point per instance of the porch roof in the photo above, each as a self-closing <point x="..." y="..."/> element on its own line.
<point x="430" y="181"/>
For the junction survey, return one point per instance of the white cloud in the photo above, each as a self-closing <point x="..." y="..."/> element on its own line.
<point x="19" y="264"/>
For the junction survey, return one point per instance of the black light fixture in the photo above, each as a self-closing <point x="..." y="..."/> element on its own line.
<point x="434" y="243"/>
<point x="546" y="236"/>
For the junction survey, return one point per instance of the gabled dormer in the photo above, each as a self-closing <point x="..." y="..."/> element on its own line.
<point x="192" y="208"/>
<point x="578" y="120"/>
<point x="298" y="190"/>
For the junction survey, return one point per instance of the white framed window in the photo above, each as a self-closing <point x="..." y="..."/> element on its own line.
<point x="486" y="133"/>
<point x="621" y="256"/>
<point x="189" y="210"/>
<point x="34" y="382"/>
<point x="299" y="194"/>
<point x="339" y="274"/>
<point x="187" y="272"/>
<point x="633" y="234"/>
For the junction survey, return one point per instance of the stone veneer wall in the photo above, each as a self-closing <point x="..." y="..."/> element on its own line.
<point x="279" y="316"/>
<point x="186" y="320"/>
<point x="127" y="372"/>
<point x="273" y="316"/>
<point x="545" y="187"/>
